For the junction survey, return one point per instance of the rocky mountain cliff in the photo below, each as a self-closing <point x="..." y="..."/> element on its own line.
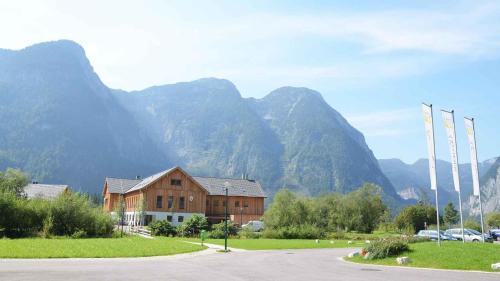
<point x="490" y="192"/>
<point x="63" y="125"/>
<point x="412" y="180"/>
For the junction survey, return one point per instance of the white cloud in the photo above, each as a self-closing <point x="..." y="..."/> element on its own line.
<point x="396" y="122"/>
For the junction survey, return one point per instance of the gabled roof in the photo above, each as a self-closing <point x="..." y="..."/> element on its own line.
<point x="120" y="185"/>
<point x="147" y="181"/>
<point x="46" y="191"/>
<point x="123" y="186"/>
<point x="237" y="187"/>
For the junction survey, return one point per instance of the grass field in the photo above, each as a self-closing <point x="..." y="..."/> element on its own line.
<point x="93" y="248"/>
<point x="451" y="255"/>
<point x="276" y="244"/>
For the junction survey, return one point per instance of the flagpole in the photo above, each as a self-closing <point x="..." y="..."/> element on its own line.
<point x="479" y="194"/>
<point x="432" y="165"/>
<point x="436" y="191"/>
<point x="459" y="189"/>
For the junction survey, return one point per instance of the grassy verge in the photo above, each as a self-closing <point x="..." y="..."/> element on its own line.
<point x="451" y="255"/>
<point x="276" y="244"/>
<point x="93" y="248"/>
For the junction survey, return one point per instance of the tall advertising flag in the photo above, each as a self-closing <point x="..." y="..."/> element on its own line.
<point x="449" y="125"/>
<point x="471" y="137"/>
<point x="429" y="133"/>
<point x="431" y="150"/>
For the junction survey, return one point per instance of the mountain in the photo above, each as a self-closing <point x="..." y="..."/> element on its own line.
<point x="290" y="138"/>
<point x="490" y="192"/>
<point x="412" y="180"/>
<point x="65" y="126"/>
<point x="61" y="124"/>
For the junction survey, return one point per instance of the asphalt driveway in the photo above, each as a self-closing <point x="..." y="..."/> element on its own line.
<point x="313" y="264"/>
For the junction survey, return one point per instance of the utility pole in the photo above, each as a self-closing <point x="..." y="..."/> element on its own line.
<point x="226" y="187"/>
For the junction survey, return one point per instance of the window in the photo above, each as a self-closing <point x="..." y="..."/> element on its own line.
<point x="159" y="202"/>
<point x="245" y="204"/>
<point x="237" y="204"/>
<point x="182" y="202"/>
<point x="180" y="218"/>
<point x="169" y="218"/>
<point x="175" y="182"/>
<point x="170" y="202"/>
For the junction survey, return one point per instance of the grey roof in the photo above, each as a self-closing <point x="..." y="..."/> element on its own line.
<point x="150" y="179"/>
<point x="46" y="191"/>
<point x="120" y="185"/>
<point x="237" y="187"/>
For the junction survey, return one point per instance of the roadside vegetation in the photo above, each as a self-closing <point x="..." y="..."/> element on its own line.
<point x="451" y="255"/>
<point x="128" y="246"/>
<point x="281" y="244"/>
<point x="70" y="214"/>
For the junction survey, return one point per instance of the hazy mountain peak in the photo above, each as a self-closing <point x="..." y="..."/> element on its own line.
<point x="289" y="92"/>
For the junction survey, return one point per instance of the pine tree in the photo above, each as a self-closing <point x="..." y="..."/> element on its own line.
<point x="450" y="214"/>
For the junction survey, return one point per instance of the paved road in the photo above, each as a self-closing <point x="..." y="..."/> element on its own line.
<point x="314" y="264"/>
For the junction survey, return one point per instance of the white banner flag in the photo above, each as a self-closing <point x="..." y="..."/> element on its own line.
<point x="471" y="136"/>
<point x="449" y="125"/>
<point x="429" y="133"/>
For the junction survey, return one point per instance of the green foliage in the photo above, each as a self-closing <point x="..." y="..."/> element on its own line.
<point x="192" y="226"/>
<point x="67" y="214"/>
<point x="413" y="218"/>
<point x="13" y="180"/>
<point x="472" y="224"/>
<point x="162" y="228"/>
<point x="386" y="248"/>
<point x="79" y="234"/>
<point x="493" y="220"/>
<point x="248" y="233"/>
<point x="289" y="216"/>
<point x="451" y="215"/>
<point x="218" y="230"/>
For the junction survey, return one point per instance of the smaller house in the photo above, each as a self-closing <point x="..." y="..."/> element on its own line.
<point x="45" y="191"/>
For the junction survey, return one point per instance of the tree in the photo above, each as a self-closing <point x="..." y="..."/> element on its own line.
<point x="13" y="180"/>
<point x="450" y="214"/>
<point x="472" y="224"/>
<point x="493" y="220"/>
<point x="415" y="217"/>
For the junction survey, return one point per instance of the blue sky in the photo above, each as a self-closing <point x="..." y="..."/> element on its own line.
<point x="373" y="61"/>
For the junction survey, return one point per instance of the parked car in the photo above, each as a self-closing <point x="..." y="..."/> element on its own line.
<point x="470" y="235"/>
<point x="255" y="225"/>
<point x="495" y="234"/>
<point x="432" y="234"/>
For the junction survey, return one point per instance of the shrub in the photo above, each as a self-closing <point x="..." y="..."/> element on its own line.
<point x="218" y="230"/>
<point x="162" y="228"/>
<point x="192" y="226"/>
<point x="386" y="248"/>
<point x="305" y="231"/>
<point x="415" y="217"/>
<point x="248" y="233"/>
<point x="493" y="219"/>
<point x="79" y="234"/>
<point x="472" y="224"/>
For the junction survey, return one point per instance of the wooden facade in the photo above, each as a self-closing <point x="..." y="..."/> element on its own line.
<point x="178" y="193"/>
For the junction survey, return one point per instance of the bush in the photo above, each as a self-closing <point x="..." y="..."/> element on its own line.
<point x="386" y="248"/>
<point x="79" y="234"/>
<point x="415" y="217"/>
<point x="192" y="226"/>
<point x="472" y="224"/>
<point x="493" y="220"/>
<point x="305" y="231"/>
<point x="218" y="230"/>
<point x="248" y="233"/>
<point x="161" y="228"/>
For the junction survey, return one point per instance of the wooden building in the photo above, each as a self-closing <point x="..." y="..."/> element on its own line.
<point x="175" y="196"/>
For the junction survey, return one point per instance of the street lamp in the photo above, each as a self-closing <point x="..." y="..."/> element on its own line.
<point x="226" y="187"/>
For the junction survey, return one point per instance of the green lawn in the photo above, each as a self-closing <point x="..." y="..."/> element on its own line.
<point x="451" y="255"/>
<point x="276" y="244"/>
<point x="93" y="248"/>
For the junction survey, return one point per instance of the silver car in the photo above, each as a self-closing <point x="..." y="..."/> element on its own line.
<point x="470" y="235"/>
